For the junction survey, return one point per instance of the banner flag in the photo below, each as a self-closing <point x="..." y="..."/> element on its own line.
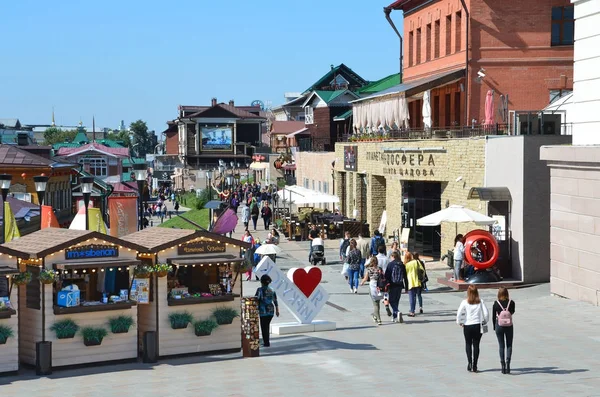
<point x="95" y="221"/>
<point x="11" y="232"/>
<point x="123" y="215"/>
<point x="48" y="217"/>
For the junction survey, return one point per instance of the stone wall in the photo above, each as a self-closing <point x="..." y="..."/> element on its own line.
<point x="315" y="167"/>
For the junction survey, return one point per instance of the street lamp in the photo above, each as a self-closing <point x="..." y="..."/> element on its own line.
<point x="5" y="180"/>
<point x="87" y="183"/>
<point x="229" y="182"/>
<point x="221" y="172"/>
<point x="40" y="187"/>
<point x="140" y="170"/>
<point x="209" y="175"/>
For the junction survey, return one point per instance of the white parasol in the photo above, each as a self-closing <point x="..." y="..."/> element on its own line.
<point x="456" y="214"/>
<point x="268" y="249"/>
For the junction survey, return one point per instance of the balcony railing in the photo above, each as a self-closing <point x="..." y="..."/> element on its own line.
<point x="315" y="145"/>
<point x="433" y="133"/>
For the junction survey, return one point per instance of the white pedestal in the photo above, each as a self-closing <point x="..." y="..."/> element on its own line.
<point x="297" y="328"/>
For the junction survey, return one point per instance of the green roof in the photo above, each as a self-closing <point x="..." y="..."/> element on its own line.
<point x="380" y="85"/>
<point x="59" y="145"/>
<point x="343" y="116"/>
<point x="330" y="75"/>
<point x="110" y="143"/>
<point x="8" y="138"/>
<point x="126" y="177"/>
<point x="80" y="137"/>
<point x="135" y="160"/>
<point x="329" y="96"/>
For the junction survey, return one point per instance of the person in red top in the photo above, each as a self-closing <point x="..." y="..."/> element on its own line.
<point x="266" y="214"/>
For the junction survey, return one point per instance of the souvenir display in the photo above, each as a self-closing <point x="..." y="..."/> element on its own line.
<point x="250" y="327"/>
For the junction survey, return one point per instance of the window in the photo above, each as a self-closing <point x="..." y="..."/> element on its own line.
<point x="306" y="183"/>
<point x="557" y="94"/>
<point x="410" y="48"/>
<point x="309" y="117"/>
<point x="436" y="38"/>
<point x="448" y="34"/>
<point x="325" y="187"/>
<point x="457" y="113"/>
<point x="563" y="25"/>
<point x="458" y="31"/>
<point x="313" y="185"/>
<point x="428" y="43"/>
<point x="97" y="165"/>
<point x="339" y="82"/>
<point x="320" y="186"/>
<point x="418" y="45"/>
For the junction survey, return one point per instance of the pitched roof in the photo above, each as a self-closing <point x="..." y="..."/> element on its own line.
<point x="286" y="127"/>
<point x="343" y="116"/>
<point x="236" y="111"/>
<point x="13" y="156"/>
<point x="10" y="123"/>
<point x="109" y="143"/>
<point x="340" y="69"/>
<point x="154" y="239"/>
<point x="380" y="85"/>
<point x="94" y="146"/>
<point x="17" y="205"/>
<point x="81" y="137"/>
<point x="49" y="240"/>
<point x="328" y="96"/>
<point x="128" y="162"/>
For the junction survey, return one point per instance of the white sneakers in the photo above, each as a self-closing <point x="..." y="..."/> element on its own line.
<point x="356" y="290"/>
<point x="398" y="318"/>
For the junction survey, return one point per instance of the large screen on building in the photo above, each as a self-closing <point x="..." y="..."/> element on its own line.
<point x="217" y="138"/>
<point x="350" y="157"/>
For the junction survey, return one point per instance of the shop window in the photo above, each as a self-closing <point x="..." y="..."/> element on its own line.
<point x="563" y="25"/>
<point x="97" y="165"/>
<point x="199" y="281"/>
<point x="428" y="43"/>
<point x="95" y="283"/>
<point x="458" y="31"/>
<point x="436" y="38"/>
<point x="309" y="117"/>
<point x="418" y="46"/>
<point x="448" y="34"/>
<point x="557" y="94"/>
<point x="410" y="48"/>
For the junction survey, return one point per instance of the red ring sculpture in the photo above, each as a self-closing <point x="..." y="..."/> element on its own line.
<point x="485" y="244"/>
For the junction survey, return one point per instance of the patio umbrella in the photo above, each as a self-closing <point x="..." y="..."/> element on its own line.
<point x="457" y="214"/>
<point x="268" y="249"/>
<point x="489" y="108"/>
<point x="427" y="109"/>
<point x="225" y="223"/>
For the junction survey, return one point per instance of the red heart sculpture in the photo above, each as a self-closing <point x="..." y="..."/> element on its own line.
<point x="307" y="280"/>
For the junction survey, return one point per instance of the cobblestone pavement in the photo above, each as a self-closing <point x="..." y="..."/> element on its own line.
<point x="555" y="353"/>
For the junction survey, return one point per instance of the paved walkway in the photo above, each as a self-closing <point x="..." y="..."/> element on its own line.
<point x="556" y="348"/>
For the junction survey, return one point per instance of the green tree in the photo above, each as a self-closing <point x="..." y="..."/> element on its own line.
<point x="143" y="141"/>
<point x="120" y="136"/>
<point x="53" y="135"/>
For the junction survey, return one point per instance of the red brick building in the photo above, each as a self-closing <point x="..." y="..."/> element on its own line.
<point x="520" y="49"/>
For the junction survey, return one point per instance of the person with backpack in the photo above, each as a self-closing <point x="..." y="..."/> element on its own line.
<point x="376" y="241"/>
<point x="395" y="274"/>
<point x="344" y="244"/>
<point x="382" y="263"/>
<point x="372" y="275"/>
<point x="267" y="306"/>
<point x="472" y="316"/>
<point x="254" y="212"/>
<point x="414" y="269"/>
<point x="502" y="312"/>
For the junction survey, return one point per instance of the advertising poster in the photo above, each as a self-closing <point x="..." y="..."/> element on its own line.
<point x="123" y="215"/>
<point x="140" y="290"/>
<point x="350" y="155"/>
<point x="217" y="138"/>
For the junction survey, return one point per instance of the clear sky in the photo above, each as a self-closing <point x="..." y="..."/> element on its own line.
<point x="133" y="59"/>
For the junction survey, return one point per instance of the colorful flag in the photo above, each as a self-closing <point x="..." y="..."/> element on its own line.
<point x="95" y="221"/>
<point x="11" y="232"/>
<point x="123" y="212"/>
<point x="48" y="217"/>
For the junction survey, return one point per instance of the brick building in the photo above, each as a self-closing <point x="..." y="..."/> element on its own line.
<point x="520" y="51"/>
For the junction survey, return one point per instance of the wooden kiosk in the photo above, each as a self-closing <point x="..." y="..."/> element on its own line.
<point x="9" y="303"/>
<point x="202" y="275"/>
<point x="87" y="265"/>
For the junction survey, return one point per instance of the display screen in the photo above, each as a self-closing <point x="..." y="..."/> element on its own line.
<point x="217" y="138"/>
<point x="350" y="155"/>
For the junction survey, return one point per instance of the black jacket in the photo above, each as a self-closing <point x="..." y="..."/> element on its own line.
<point x="497" y="309"/>
<point x="388" y="274"/>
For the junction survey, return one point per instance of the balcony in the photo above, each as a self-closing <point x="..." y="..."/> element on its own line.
<point x="315" y="145"/>
<point x="433" y="133"/>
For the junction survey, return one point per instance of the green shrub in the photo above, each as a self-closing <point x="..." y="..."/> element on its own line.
<point x="65" y="329"/>
<point x="93" y="334"/>
<point x="225" y="315"/>
<point x="205" y="327"/>
<point x="120" y="324"/>
<point x="180" y="320"/>
<point x="5" y="333"/>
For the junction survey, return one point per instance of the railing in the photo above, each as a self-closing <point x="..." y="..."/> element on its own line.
<point x="315" y="145"/>
<point x="433" y="133"/>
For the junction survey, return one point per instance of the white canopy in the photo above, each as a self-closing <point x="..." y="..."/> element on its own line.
<point x="301" y="195"/>
<point x="457" y="214"/>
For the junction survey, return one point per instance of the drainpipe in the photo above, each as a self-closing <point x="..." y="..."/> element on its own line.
<point x="468" y="20"/>
<point x="387" y="11"/>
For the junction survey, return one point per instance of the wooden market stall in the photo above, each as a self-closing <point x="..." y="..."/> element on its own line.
<point x="9" y="321"/>
<point x="197" y="274"/>
<point x="85" y="309"/>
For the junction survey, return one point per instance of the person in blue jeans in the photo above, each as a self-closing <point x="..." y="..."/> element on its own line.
<point x="354" y="260"/>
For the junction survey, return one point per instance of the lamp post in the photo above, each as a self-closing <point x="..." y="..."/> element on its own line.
<point x="221" y="172"/>
<point x="87" y="183"/>
<point x="140" y="171"/>
<point x="40" y="187"/>
<point x="5" y="180"/>
<point x="209" y="175"/>
<point x="229" y="182"/>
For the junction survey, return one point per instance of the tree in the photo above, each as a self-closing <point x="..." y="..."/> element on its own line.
<point x="143" y="142"/>
<point x="121" y="137"/>
<point x="53" y="135"/>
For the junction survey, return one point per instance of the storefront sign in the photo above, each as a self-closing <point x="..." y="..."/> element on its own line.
<point x="201" y="247"/>
<point x="405" y="164"/>
<point x="299" y="290"/>
<point x="92" y="251"/>
<point x="350" y="158"/>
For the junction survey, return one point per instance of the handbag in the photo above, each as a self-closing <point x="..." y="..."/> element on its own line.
<point x="345" y="268"/>
<point x="484" y="327"/>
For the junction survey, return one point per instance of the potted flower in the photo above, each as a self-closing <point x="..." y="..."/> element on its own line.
<point x="22" y="278"/>
<point x="93" y="336"/>
<point x="162" y="269"/>
<point x="65" y="329"/>
<point x="180" y="320"/>
<point x="47" y="276"/>
<point x="205" y="327"/>
<point x="142" y="271"/>
<point x="120" y="324"/>
<point x="224" y="315"/>
<point x="5" y="333"/>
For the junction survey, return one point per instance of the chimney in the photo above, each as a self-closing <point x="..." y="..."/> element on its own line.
<point x="213" y="102"/>
<point x="231" y="103"/>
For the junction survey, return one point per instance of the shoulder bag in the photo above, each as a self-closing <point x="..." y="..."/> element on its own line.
<point x="484" y="327"/>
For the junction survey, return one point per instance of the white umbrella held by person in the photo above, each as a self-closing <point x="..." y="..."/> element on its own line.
<point x="268" y="249"/>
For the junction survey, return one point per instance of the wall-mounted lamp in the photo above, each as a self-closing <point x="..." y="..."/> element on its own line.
<point x="459" y="179"/>
<point x="481" y="73"/>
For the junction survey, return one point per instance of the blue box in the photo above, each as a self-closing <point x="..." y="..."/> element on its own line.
<point x="68" y="298"/>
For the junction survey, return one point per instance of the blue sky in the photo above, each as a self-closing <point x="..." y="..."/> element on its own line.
<point x="133" y="59"/>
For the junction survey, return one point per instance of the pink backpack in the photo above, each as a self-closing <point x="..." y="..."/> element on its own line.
<point x="504" y="317"/>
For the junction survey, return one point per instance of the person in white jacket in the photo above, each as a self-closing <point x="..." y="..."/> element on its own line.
<point x="471" y="315"/>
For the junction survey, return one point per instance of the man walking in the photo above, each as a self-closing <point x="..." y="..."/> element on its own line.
<point x="364" y="246"/>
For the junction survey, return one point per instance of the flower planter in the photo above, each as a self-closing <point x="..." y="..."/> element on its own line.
<point x="179" y="326"/>
<point x="142" y="275"/>
<point x="162" y="273"/>
<point x="3" y="340"/>
<point x="93" y="342"/>
<point x="47" y="282"/>
<point x="20" y="283"/>
<point x="224" y="321"/>
<point x="66" y="336"/>
<point x="120" y="331"/>
<point x="202" y="333"/>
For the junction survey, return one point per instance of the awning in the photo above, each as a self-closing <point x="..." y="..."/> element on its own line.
<point x="344" y="116"/>
<point x="259" y="166"/>
<point x="301" y="195"/>
<point x="489" y="194"/>
<point x="293" y="134"/>
<point x="99" y="263"/>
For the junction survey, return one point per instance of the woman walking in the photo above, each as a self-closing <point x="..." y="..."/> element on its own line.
<point x="267" y="306"/>
<point x="247" y="238"/>
<point x="502" y="313"/>
<point x="353" y="259"/>
<point x="372" y="274"/>
<point x="459" y="255"/>
<point x="472" y="315"/>
<point x="413" y="271"/>
<point x="254" y="212"/>
<point x="245" y="215"/>
<point x="395" y="275"/>
<point x="423" y="277"/>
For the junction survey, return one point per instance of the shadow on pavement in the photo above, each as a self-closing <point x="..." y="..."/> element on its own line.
<point x="309" y="344"/>
<point x="545" y="370"/>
